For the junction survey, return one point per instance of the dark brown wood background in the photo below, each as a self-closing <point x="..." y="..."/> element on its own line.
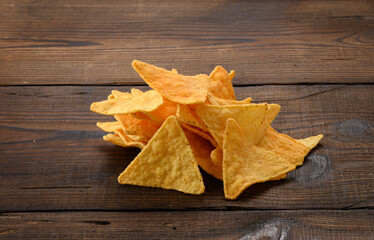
<point x="58" y="177"/>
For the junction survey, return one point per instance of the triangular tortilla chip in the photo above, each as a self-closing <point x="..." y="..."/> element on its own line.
<point x="220" y="84"/>
<point x="220" y="101"/>
<point x="245" y="164"/>
<point x="134" y="126"/>
<point x="284" y="146"/>
<point x="166" y="162"/>
<point x="200" y="132"/>
<point x="145" y="102"/>
<point x="186" y="115"/>
<point x="252" y="118"/>
<point x="129" y="142"/>
<point x="201" y="149"/>
<point x="311" y="142"/>
<point x="173" y="86"/>
<point x="109" y="126"/>
<point x="164" y="111"/>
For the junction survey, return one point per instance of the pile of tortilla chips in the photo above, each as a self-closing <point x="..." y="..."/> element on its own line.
<point x="191" y="121"/>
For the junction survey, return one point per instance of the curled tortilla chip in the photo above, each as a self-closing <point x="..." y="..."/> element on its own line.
<point x="245" y="164"/>
<point x="121" y="95"/>
<point x="311" y="142"/>
<point x="109" y="126"/>
<point x="284" y="146"/>
<point x="220" y="101"/>
<point x="186" y="115"/>
<point x="166" y="162"/>
<point x="145" y="102"/>
<point x="220" y="84"/>
<point x="173" y="86"/>
<point x="139" y="127"/>
<point x="129" y="142"/>
<point x="252" y="118"/>
<point x="201" y="149"/>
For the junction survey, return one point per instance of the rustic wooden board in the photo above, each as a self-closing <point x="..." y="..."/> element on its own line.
<point x="53" y="158"/>
<point x="303" y="224"/>
<point x="266" y="42"/>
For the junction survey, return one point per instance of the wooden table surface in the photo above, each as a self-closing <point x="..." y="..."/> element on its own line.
<point x="58" y="178"/>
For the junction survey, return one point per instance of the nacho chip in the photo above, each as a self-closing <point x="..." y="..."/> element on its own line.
<point x="121" y="95"/>
<point x="245" y="164"/>
<point x="115" y="139"/>
<point x="231" y="75"/>
<point x="175" y="87"/>
<point x="217" y="157"/>
<point x="311" y="142"/>
<point x="201" y="149"/>
<point x="139" y="127"/>
<point x="186" y="115"/>
<point x="222" y="102"/>
<point x="109" y="126"/>
<point x="128" y="141"/>
<point x="136" y="92"/>
<point x="166" y="162"/>
<point x="251" y="118"/>
<point x="220" y="84"/>
<point x="284" y="146"/>
<point x="200" y="132"/>
<point x="145" y="102"/>
<point x="164" y="111"/>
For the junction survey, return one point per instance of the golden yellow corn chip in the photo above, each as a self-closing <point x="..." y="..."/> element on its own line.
<point x="231" y="75"/>
<point x="200" y="132"/>
<point x="217" y="157"/>
<point x="252" y="118"/>
<point x="165" y="110"/>
<point x="109" y="126"/>
<point x="129" y="142"/>
<point x="220" y="84"/>
<point x="141" y="115"/>
<point x="121" y="95"/>
<point x="174" y="70"/>
<point x="220" y="101"/>
<point x="245" y="164"/>
<point x="186" y="115"/>
<point x="115" y="139"/>
<point x="201" y="149"/>
<point x="284" y="146"/>
<point x="311" y="142"/>
<point x="175" y="87"/>
<point x="166" y="162"/>
<point x="145" y="102"/>
<point x="139" y="127"/>
<point x="136" y="92"/>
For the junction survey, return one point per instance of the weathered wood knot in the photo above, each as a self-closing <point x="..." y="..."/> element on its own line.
<point x="354" y="130"/>
<point x="274" y="229"/>
<point x="315" y="166"/>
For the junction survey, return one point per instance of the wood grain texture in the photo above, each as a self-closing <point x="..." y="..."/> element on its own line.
<point x="354" y="224"/>
<point x="53" y="158"/>
<point x="266" y="42"/>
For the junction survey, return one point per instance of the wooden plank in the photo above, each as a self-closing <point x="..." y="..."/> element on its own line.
<point x="303" y="224"/>
<point x="53" y="158"/>
<point x="266" y="42"/>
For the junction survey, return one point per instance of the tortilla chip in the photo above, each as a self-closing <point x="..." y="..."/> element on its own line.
<point x="220" y="84"/>
<point x="250" y="117"/>
<point x="120" y="95"/>
<point x="136" y="92"/>
<point x="245" y="164"/>
<point x="175" y="87"/>
<point x="164" y="111"/>
<point x="129" y="142"/>
<point x="311" y="142"/>
<point x="231" y="75"/>
<point x="166" y="162"/>
<point x="109" y="126"/>
<point x="222" y="102"/>
<point x="217" y="157"/>
<point x="139" y="127"/>
<point x="186" y="115"/>
<point x="284" y="146"/>
<point x="115" y="139"/>
<point x="145" y="102"/>
<point x="201" y="149"/>
<point x="200" y="132"/>
<point x="174" y="70"/>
